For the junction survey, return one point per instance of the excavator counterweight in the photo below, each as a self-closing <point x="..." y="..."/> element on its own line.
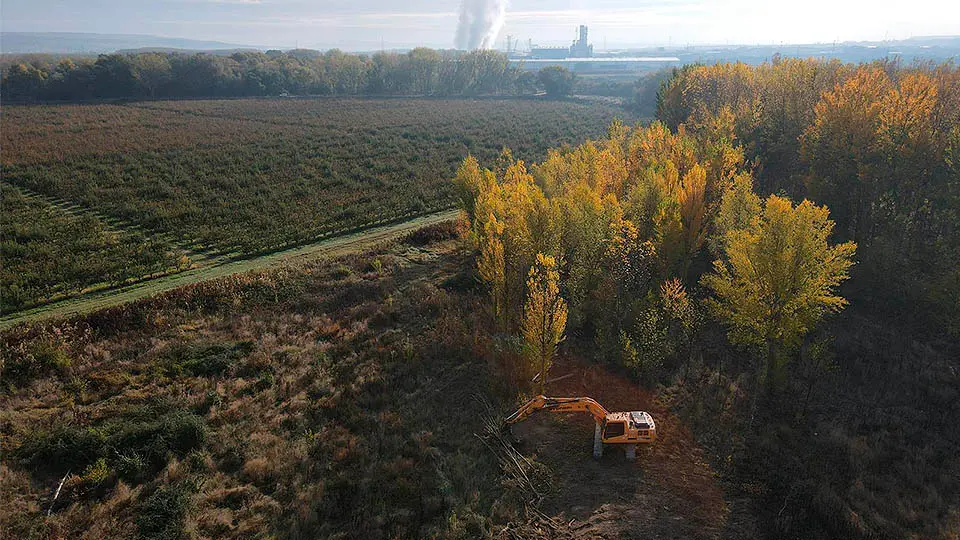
<point x="621" y="428"/>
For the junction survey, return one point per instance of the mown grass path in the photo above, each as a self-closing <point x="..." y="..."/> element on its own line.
<point x="339" y="245"/>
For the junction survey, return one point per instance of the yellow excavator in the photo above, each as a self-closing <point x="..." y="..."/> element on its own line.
<point x="621" y="428"/>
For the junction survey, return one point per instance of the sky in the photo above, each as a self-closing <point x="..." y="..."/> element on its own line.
<point x="370" y="24"/>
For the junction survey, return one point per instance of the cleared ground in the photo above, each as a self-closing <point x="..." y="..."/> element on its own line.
<point x="670" y="491"/>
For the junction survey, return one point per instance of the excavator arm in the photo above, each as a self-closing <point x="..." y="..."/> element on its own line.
<point x="554" y="404"/>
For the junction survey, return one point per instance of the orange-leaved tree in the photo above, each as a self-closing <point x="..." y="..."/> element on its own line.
<point x="841" y="147"/>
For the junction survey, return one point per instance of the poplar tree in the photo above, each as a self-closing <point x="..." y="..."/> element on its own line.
<point x="491" y="267"/>
<point x="544" y="315"/>
<point x="778" y="278"/>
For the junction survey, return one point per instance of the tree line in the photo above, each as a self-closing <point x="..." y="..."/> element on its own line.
<point x="878" y="143"/>
<point x="421" y="71"/>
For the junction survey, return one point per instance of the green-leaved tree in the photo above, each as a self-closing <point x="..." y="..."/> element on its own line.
<point x="778" y="278"/>
<point x="557" y="81"/>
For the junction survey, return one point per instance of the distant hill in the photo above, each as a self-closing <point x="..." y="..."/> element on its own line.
<point x="947" y="41"/>
<point x="936" y="48"/>
<point x="78" y="43"/>
<point x="173" y="50"/>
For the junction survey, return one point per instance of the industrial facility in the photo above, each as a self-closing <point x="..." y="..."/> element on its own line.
<point x="579" y="49"/>
<point x="579" y="57"/>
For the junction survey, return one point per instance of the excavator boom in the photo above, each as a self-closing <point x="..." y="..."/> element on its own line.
<point x="555" y="404"/>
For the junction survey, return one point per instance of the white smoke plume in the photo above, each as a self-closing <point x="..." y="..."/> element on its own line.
<point x="480" y="22"/>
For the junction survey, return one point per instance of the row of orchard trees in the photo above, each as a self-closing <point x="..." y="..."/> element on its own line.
<point x="877" y="143"/>
<point x="610" y="235"/>
<point x="421" y="71"/>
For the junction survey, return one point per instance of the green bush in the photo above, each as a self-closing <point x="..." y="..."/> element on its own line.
<point x="432" y="234"/>
<point x="203" y="360"/>
<point x="62" y="449"/>
<point x="163" y="513"/>
<point x="175" y="433"/>
<point x="131" y="467"/>
<point x="96" y="473"/>
<point x="132" y="445"/>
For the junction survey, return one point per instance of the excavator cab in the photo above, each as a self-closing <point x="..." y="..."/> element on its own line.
<point x="615" y="429"/>
<point x="629" y="427"/>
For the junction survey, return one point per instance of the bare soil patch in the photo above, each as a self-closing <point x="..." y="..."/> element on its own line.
<point x="670" y="491"/>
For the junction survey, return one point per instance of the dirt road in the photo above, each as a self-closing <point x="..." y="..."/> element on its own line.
<point x="339" y="245"/>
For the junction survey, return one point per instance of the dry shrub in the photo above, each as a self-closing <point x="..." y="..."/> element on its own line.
<point x="108" y="382"/>
<point x="305" y="514"/>
<point x="214" y="522"/>
<point x="114" y="516"/>
<point x="19" y="503"/>
<point x="327" y="328"/>
<point x="259" y="470"/>
<point x="258" y="516"/>
<point x="259" y="361"/>
<point x="344" y="447"/>
<point x="431" y="234"/>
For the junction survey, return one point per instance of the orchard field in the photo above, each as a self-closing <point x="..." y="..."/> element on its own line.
<point x="46" y="251"/>
<point x="242" y="177"/>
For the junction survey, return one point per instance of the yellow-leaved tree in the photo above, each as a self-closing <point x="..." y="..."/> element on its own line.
<point x="738" y="208"/>
<point x="491" y="267"/>
<point x="470" y="182"/>
<point x="778" y="278"/>
<point x="544" y="315"/>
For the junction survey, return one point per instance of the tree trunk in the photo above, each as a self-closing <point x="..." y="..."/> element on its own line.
<point x="543" y="372"/>
<point x="770" y="375"/>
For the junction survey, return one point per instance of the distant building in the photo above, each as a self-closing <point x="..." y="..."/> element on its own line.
<point x="579" y="49"/>
<point x="552" y="53"/>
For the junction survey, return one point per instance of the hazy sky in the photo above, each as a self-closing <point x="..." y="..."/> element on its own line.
<point x="361" y="24"/>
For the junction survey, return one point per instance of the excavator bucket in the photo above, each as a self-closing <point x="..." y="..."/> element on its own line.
<point x="506" y="433"/>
